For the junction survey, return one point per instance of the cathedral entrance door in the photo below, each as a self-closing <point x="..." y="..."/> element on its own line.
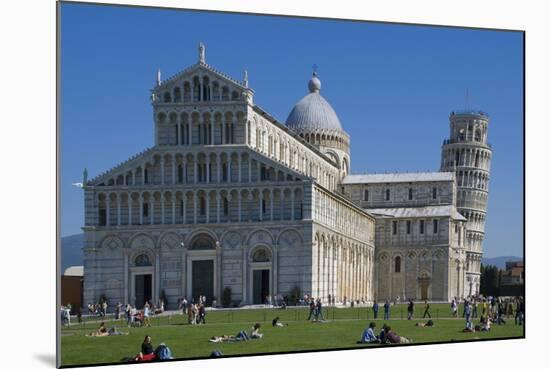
<point x="143" y="289"/>
<point x="424" y="284"/>
<point x="202" y="282"/>
<point x="260" y="287"/>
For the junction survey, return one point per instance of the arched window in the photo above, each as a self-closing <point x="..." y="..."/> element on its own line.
<point x="167" y="97"/>
<point x="202" y="206"/>
<point x="142" y="260"/>
<point x="225" y="93"/>
<point x="398" y="264"/>
<point x="234" y="95"/>
<point x="225" y="206"/>
<point x="146" y="176"/>
<point x="261" y="255"/>
<point x="387" y="194"/>
<point x="366" y="195"/>
<point x="478" y="135"/>
<point x="177" y="94"/>
<point x="410" y="193"/>
<point x="180" y="173"/>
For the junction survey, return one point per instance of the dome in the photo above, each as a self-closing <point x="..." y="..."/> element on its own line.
<point x="313" y="112"/>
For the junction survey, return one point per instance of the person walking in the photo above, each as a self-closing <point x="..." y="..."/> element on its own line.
<point x="410" y="310"/>
<point x="375" y="309"/>
<point x="320" y="310"/>
<point x="467" y="313"/>
<point x="146" y="314"/>
<point x="311" y="309"/>
<point x="474" y="308"/>
<point x="128" y="311"/>
<point x="426" y="310"/>
<point x="387" y="310"/>
<point x="202" y="314"/>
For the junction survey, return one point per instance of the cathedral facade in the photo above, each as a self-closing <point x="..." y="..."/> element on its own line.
<point x="230" y="199"/>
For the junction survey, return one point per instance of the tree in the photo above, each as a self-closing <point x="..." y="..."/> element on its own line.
<point x="490" y="280"/>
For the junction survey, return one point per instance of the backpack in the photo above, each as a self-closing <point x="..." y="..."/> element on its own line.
<point x="163" y="352"/>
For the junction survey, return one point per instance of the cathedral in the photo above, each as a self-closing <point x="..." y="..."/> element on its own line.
<point x="231" y="202"/>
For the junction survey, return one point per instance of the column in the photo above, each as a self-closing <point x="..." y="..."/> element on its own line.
<point x="239" y="200"/>
<point x="133" y="177"/>
<point x="152" y="210"/>
<point x="218" y="169"/>
<point x="218" y="199"/>
<point x="173" y="170"/>
<point x="271" y="204"/>
<point x="118" y="198"/>
<point x="125" y="270"/>
<point x="162" y="171"/>
<point x="291" y="204"/>
<point x="260" y="200"/>
<point x="195" y="207"/>
<point x="157" y="277"/>
<point x="129" y="209"/>
<point x="212" y="130"/>
<point x="184" y="170"/>
<point x="207" y="201"/>
<point x="249" y="169"/>
<point x="173" y="197"/>
<point x="229" y="160"/>
<point x="239" y="167"/>
<point x="222" y="126"/>
<point x="207" y="169"/>
<point x="141" y="208"/>
<point x="162" y="201"/>
<point x="196" y="170"/>
<point x="184" y="204"/>
<point x="108" y="209"/>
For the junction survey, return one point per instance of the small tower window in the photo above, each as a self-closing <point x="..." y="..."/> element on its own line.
<point x="394" y="227"/>
<point x="408" y="227"/>
<point x="387" y="194"/>
<point x="146" y="176"/>
<point x="146" y="210"/>
<point x="422" y="227"/>
<point x="436" y="224"/>
<point x="398" y="264"/>
<point x="434" y="193"/>
<point x="410" y="193"/>
<point x="102" y="217"/>
<point x="225" y="206"/>
<point x="203" y="206"/>
<point x="366" y="195"/>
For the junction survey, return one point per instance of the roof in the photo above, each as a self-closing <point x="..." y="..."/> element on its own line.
<point x="313" y="112"/>
<point x="399" y="177"/>
<point x="74" y="271"/>
<point x="419" y="212"/>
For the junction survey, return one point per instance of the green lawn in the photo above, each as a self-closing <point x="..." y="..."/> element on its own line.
<point x="343" y="329"/>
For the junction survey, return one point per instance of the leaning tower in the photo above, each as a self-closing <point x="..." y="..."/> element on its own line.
<point x="468" y="154"/>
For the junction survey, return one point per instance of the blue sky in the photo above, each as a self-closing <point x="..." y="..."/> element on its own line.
<point x="392" y="86"/>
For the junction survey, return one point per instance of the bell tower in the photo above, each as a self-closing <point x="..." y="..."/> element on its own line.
<point x="468" y="154"/>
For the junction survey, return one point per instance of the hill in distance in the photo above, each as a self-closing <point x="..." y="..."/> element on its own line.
<point x="500" y="261"/>
<point x="71" y="251"/>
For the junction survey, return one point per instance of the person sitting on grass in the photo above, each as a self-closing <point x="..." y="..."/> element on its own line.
<point x="147" y="353"/>
<point x="369" y="336"/>
<point x="392" y="337"/>
<point x="429" y="323"/>
<point x="101" y="331"/>
<point x="276" y="323"/>
<point x="255" y="333"/>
